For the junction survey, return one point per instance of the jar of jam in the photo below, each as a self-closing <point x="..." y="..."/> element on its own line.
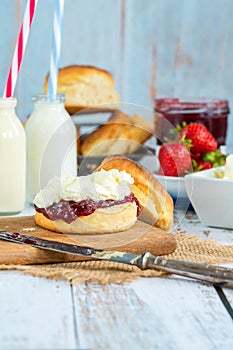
<point x="213" y="113"/>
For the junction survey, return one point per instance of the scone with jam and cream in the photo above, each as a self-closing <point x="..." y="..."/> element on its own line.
<point x="101" y="202"/>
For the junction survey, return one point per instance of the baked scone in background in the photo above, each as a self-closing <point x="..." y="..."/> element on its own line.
<point x="122" y="134"/>
<point x="86" y="87"/>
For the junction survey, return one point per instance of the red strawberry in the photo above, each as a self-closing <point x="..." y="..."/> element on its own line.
<point x="196" y="156"/>
<point x="203" y="165"/>
<point x="202" y="140"/>
<point x="174" y="158"/>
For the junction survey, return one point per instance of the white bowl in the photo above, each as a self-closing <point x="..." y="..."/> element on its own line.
<point x="211" y="198"/>
<point x="175" y="186"/>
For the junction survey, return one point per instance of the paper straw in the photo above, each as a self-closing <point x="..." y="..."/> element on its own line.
<point x="20" y="48"/>
<point x="56" y="49"/>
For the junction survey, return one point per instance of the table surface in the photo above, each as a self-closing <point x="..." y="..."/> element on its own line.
<point x="151" y="313"/>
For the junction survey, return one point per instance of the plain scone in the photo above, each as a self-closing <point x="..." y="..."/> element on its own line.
<point x="122" y="134"/>
<point x="156" y="204"/>
<point x="86" y="87"/>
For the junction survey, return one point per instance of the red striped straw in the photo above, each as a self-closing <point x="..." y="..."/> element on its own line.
<point x="20" y="48"/>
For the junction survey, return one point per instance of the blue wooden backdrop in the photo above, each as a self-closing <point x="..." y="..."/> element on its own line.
<point x="152" y="47"/>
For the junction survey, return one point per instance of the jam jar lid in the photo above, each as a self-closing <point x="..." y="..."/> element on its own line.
<point x="198" y="105"/>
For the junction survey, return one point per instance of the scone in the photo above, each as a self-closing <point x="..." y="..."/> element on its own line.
<point x="85" y="87"/>
<point x="94" y="204"/>
<point x="156" y="204"/>
<point x="122" y="134"/>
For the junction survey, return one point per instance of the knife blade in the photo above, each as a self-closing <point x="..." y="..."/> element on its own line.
<point x="217" y="275"/>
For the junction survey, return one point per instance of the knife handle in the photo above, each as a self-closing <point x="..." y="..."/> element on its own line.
<point x="209" y="273"/>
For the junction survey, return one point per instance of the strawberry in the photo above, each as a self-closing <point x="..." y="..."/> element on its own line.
<point x="174" y="159"/>
<point x="207" y="160"/>
<point x="203" y="165"/>
<point x="196" y="156"/>
<point x="202" y="140"/>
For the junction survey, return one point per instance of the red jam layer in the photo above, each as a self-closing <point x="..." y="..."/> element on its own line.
<point x="70" y="210"/>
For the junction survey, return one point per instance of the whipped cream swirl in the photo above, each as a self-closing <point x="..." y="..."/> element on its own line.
<point x="101" y="185"/>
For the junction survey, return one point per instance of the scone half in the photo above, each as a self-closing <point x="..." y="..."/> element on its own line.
<point x="156" y="204"/>
<point x="94" y="204"/>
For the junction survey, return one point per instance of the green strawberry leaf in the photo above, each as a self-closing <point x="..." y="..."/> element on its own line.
<point x="215" y="158"/>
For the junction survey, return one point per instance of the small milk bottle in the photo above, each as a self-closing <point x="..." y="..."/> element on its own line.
<point x="12" y="159"/>
<point x="51" y="143"/>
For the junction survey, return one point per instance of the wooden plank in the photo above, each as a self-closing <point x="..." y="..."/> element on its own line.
<point x="189" y="223"/>
<point x="90" y="36"/>
<point x="192" y="55"/>
<point x="223" y="71"/>
<point x="11" y="14"/>
<point x="172" y="47"/>
<point x="96" y="28"/>
<point x="190" y="314"/>
<point x="150" y="50"/>
<point x="35" y="313"/>
<point x="35" y="64"/>
<point x="152" y="314"/>
<point x="228" y="294"/>
<point x="113" y="317"/>
<point x="203" y="54"/>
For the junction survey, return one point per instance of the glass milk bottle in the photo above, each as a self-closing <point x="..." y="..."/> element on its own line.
<point x="51" y="143"/>
<point x="12" y="159"/>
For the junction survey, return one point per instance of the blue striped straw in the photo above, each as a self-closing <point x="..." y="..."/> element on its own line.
<point x="56" y="48"/>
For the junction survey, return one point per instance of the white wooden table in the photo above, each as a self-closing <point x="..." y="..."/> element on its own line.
<point x="150" y="313"/>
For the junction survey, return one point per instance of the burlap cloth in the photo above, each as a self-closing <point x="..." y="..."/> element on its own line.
<point x="189" y="248"/>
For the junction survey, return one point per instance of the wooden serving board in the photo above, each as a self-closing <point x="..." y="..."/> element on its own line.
<point x="138" y="239"/>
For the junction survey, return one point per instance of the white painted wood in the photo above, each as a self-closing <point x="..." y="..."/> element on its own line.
<point x="189" y="315"/>
<point x="35" y="313"/>
<point x="113" y="317"/>
<point x="173" y="47"/>
<point x="189" y="222"/>
<point x="152" y="314"/>
<point x="229" y="293"/>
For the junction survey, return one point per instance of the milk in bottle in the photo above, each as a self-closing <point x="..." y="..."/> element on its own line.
<point x="12" y="159"/>
<point x="51" y="143"/>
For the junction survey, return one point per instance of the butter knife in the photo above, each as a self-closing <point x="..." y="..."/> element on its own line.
<point x="216" y="275"/>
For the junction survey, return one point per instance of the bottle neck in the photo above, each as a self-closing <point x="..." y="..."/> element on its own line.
<point x="42" y="101"/>
<point x="7" y="106"/>
<point x="45" y="99"/>
<point x="49" y="104"/>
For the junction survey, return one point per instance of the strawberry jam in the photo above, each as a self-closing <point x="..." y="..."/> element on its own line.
<point x="70" y="210"/>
